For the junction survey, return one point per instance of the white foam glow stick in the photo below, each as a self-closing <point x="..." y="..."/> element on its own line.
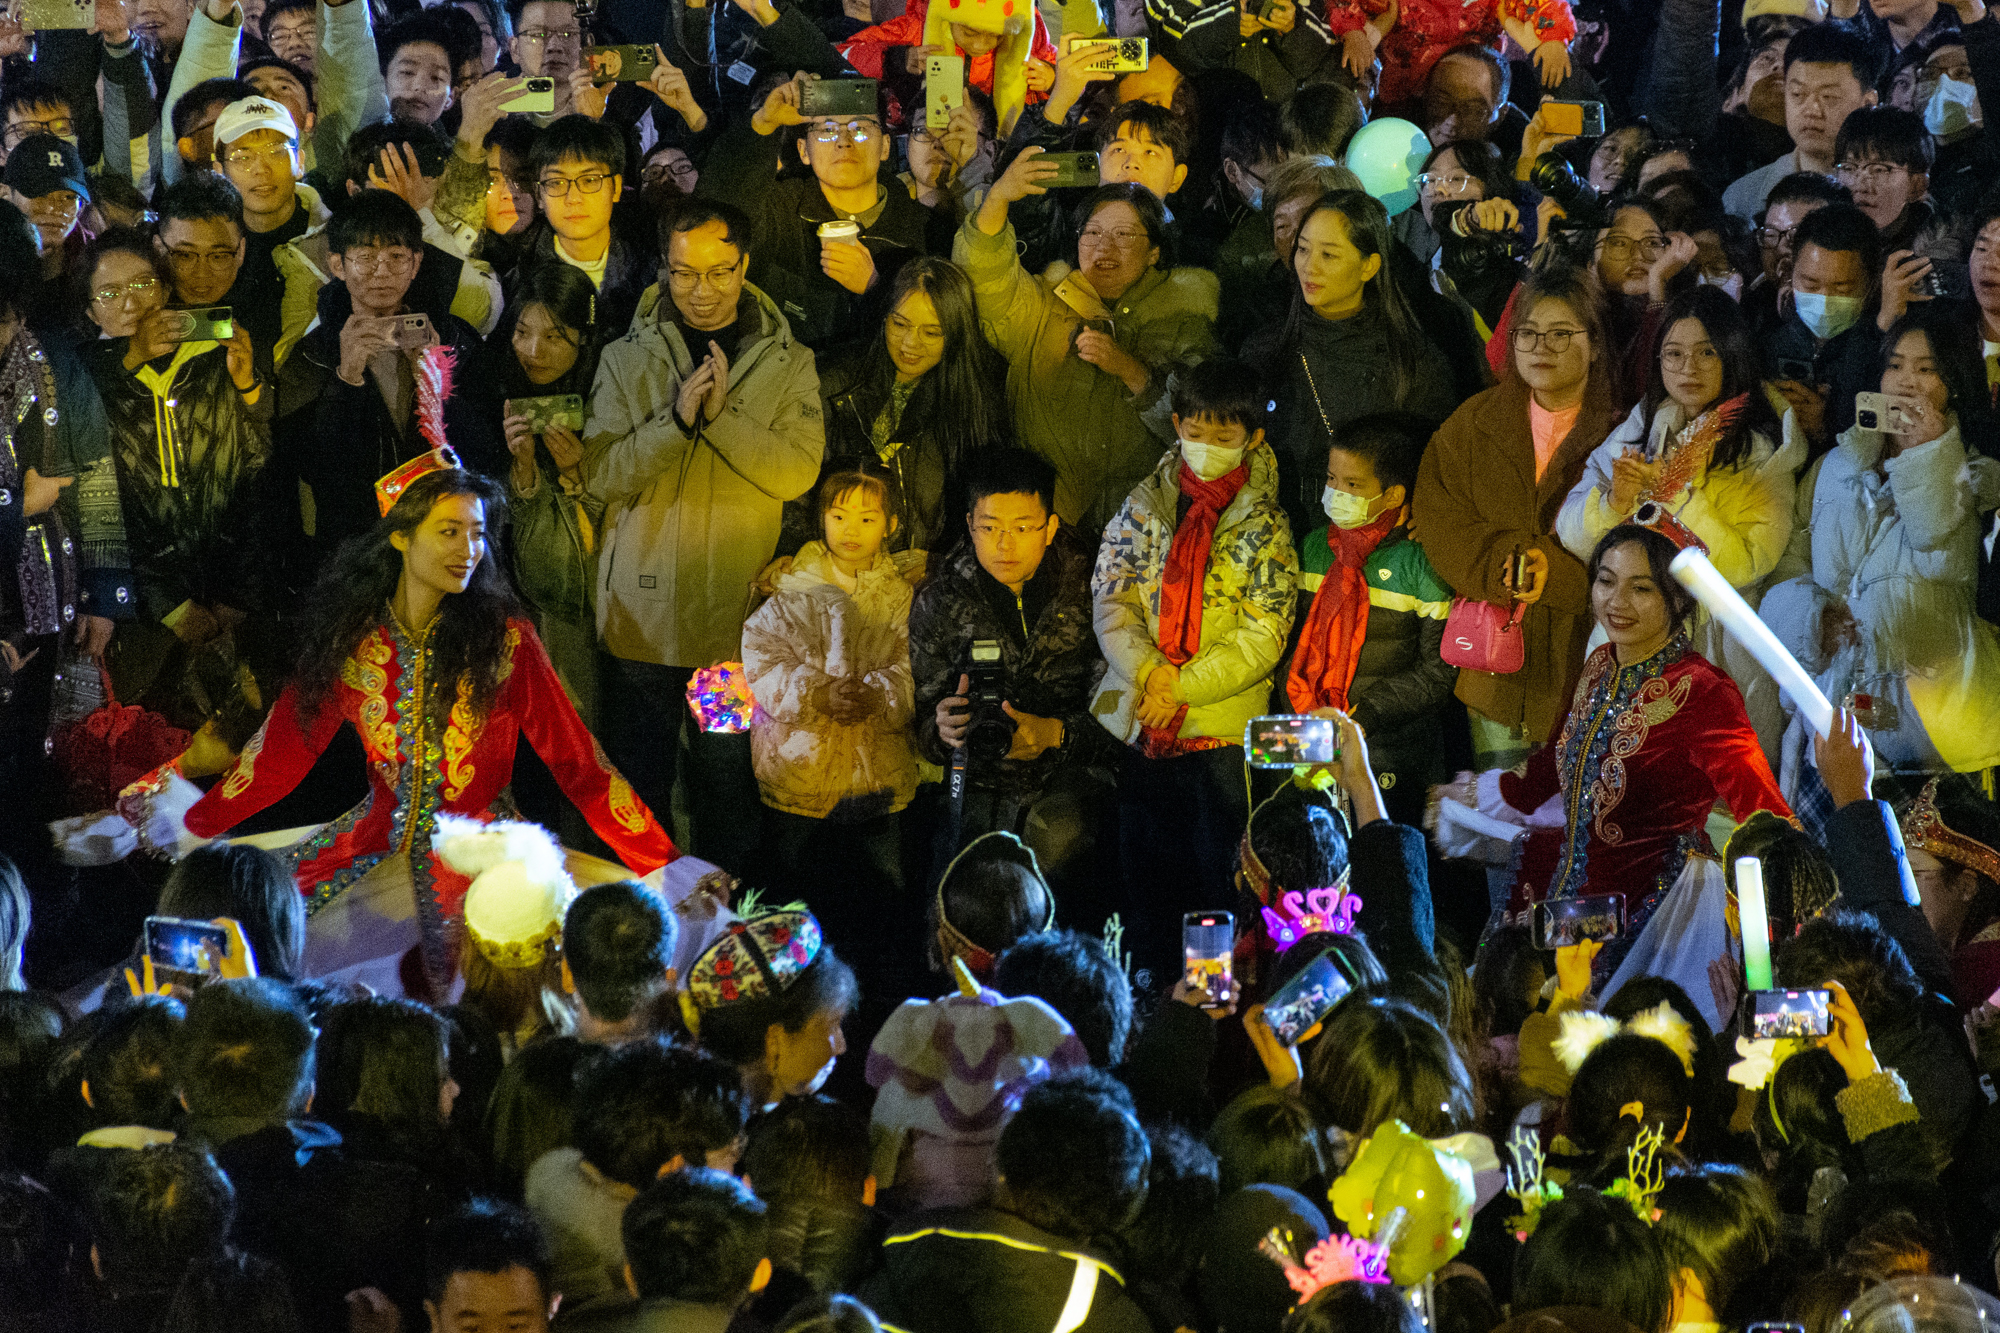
<point x="1701" y="578"/>
<point x="1756" y="922"/>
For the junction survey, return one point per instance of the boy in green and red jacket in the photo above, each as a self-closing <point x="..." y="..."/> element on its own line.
<point x="1372" y="612"/>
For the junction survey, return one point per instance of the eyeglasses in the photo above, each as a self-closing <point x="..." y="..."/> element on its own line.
<point x="494" y="177"/>
<point x="216" y="261"/>
<point x="138" y="287"/>
<point x="538" y="36"/>
<point x="687" y="279"/>
<point x="271" y="156"/>
<point x="656" y="172"/>
<point x="367" y="262"/>
<point x="1648" y="247"/>
<point x="1774" y="238"/>
<point x="1875" y="173"/>
<point x="854" y="131"/>
<point x="1556" y="341"/>
<point x="993" y="532"/>
<point x="1446" y="182"/>
<point x="555" y="187"/>
<point x="904" y="328"/>
<point x="1679" y="358"/>
<point x="1121" y="237"/>
<point x="62" y="127"/>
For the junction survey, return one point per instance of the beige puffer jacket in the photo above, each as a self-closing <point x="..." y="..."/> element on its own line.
<point x="811" y="633"/>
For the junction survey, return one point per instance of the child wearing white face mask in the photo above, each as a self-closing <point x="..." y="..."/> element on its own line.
<point x="1193" y="601"/>
<point x="1372" y="612"/>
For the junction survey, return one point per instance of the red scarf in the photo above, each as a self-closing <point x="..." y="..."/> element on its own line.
<point x="1330" y="645"/>
<point x="1188" y="557"/>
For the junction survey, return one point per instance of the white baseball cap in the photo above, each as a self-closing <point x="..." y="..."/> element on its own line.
<point x="253" y="113"/>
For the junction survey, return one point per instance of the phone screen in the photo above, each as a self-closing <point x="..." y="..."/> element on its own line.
<point x="185" y="953"/>
<point x="1305" y="1000"/>
<point x="1567" y="921"/>
<point x="1208" y="939"/>
<point x="1287" y="742"/>
<point x="1789" y="1013"/>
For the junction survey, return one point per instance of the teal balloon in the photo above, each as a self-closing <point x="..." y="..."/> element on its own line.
<point x="1387" y="155"/>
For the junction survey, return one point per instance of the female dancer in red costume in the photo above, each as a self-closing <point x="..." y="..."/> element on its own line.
<point x="414" y="637"/>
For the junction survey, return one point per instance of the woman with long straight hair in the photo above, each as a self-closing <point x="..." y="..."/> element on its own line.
<point x="1349" y="346"/>
<point x="917" y="401"/>
<point x="1707" y="446"/>
<point x="547" y="347"/>
<point x="414" y="637"/>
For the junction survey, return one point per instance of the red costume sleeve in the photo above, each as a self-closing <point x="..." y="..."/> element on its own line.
<point x="1726" y="749"/>
<point x="1552" y="20"/>
<point x="550" y="723"/>
<point x="273" y="762"/>
<point x="866" y="49"/>
<point x="1345" y="16"/>
<point x="1537" y="780"/>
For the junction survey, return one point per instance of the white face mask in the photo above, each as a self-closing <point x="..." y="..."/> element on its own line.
<point x="1733" y="284"/>
<point x="1953" y="109"/>
<point x="1827" y="316"/>
<point x="1347" y="510"/>
<point x="1209" y="461"/>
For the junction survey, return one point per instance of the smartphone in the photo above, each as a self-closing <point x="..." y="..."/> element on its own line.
<point x="563" y="409"/>
<point x="1122" y="55"/>
<point x="1788" y="1013"/>
<point x="1792" y="368"/>
<point x="1208" y="940"/>
<point x="839" y="97"/>
<point x="1884" y="411"/>
<point x="1873" y="711"/>
<point x="1072" y="169"/>
<point x="52" y="15"/>
<point x="1306" y="999"/>
<point x="621" y="64"/>
<point x="944" y="89"/>
<point x="1567" y="921"/>
<point x="537" y="98"/>
<point x="1287" y="741"/>
<point x="185" y="953"/>
<point x="202" y="324"/>
<point x="1584" y="120"/>
<point x="410" y="332"/>
<point x="1517" y="570"/>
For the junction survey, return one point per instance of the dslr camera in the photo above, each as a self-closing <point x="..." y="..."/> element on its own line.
<point x="991" y="732"/>
<point x="1582" y="208"/>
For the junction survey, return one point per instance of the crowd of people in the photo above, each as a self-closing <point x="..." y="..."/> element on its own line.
<point x="889" y="461"/>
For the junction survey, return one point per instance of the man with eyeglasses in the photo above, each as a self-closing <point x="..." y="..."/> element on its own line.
<point x="704" y="420"/>
<point x="258" y="152"/>
<point x="44" y="179"/>
<point x="33" y="106"/>
<point x="201" y="238"/>
<point x="1024" y="582"/>
<point x="578" y="167"/>
<point x="1829" y="74"/>
<point x="548" y="41"/>
<point x="1884" y="155"/>
<point x="835" y="289"/>
<point x="1791" y="200"/>
<point x="347" y="395"/>
<point x="347" y="80"/>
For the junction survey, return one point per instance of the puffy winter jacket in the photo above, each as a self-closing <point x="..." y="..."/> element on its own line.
<point x="1246" y="611"/>
<point x="1896" y="543"/>
<point x="810" y="634"/>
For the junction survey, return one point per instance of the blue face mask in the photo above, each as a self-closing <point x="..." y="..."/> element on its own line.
<point x="1256" y="199"/>
<point x="1827" y="316"/>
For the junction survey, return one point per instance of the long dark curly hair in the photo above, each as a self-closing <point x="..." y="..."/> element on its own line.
<point x="352" y="598"/>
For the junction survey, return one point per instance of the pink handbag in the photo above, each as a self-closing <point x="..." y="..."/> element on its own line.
<point x="1480" y="636"/>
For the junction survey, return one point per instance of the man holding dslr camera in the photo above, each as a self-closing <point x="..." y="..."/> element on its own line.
<point x="1006" y="663"/>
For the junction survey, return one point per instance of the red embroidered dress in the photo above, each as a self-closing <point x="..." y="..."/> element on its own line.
<point x="416" y="769"/>
<point x="1643" y="754"/>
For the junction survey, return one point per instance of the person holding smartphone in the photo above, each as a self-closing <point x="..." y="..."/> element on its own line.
<point x="1882" y="604"/>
